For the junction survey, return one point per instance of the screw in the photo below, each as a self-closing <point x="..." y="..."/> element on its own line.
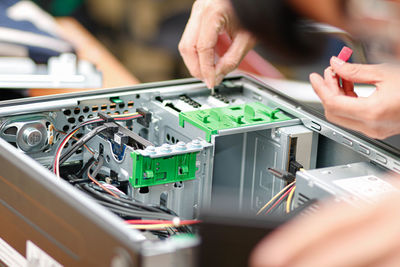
<point x="151" y="150"/>
<point x="166" y="148"/>
<point x="196" y="143"/>
<point x="181" y="146"/>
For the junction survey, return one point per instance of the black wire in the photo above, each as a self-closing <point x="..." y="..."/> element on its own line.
<point x="117" y="201"/>
<point x="116" y="206"/>
<point x="160" y="234"/>
<point x="86" y="138"/>
<point x="85" y="167"/>
<point x="86" y="123"/>
<point x="68" y="133"/>
<point x="136" y="213"/>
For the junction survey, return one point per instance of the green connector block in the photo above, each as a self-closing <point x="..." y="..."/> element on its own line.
<point x="149" y="171"/>
<point x="212" y="120"/>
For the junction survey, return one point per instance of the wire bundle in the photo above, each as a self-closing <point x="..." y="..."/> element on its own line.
<point x="139" y="215"/>
<point x="158" y="224"/>
<point x="286" y="192"/>
<point x="60" y="158"/>
<point x="160" y="220"/>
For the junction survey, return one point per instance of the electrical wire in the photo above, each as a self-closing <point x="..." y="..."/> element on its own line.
<point x="135" y="213"/>
<point x="130" y="208"/>
<point x="123" y="202"/>
<point x="275" y="197"/>
<point x="86" y="138"/>
<point x="279" y="200"/>
<point x="150" y="226"/>
<point x="289" y="200"/>
<point x="57" y="161"/>
<point x="82" y="171"/>
<point x="75" y="138"/>
<point x="112" y="188"/>
<point x="184" y="222"/>
<point x="93" y="179"/>
<point x="57" y="157"/>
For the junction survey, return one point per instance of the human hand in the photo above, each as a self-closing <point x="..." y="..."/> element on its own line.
<point x="209" y="19"/>
<point x="377" y="115"/>
<point x="337" y="235"/>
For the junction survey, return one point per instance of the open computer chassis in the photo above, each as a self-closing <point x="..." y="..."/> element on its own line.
<point x="168" y="150"/>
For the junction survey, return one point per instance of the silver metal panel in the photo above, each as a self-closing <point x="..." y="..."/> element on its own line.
<point x="321" y="184"/>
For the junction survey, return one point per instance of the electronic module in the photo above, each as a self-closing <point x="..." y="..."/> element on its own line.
<point x="146" y="161"/>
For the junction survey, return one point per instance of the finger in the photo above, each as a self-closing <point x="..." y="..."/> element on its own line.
<point x="332" y="81"/>
<point x="370" y="242"/>
<point x="207" y="40"/>
<point x="348" y="88"/>
<point x="357" y="125"/>
<point x="320" y="87"/>
<point x="349" y="107"/>
<point x="187" y="45"/>
<point x="357" y="73"/>
<point x="242" y="43"/>
<point x="391" y="260"/>
<point x="373" y="130"/>
<point x="354" y="246"/>
<point x="340" y="105"/>
<point x="284" y="244"/>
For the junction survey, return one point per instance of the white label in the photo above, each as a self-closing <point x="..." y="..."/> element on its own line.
<point x="366" y="187"/>
<point x="38" y="258"/>
<point x="10" y="256"/>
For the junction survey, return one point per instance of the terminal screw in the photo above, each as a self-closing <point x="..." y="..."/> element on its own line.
<point x="196" y="143"/>
<point x="151" y="150"/>
<point x="181" y="146"/>
<point x="166" y="148"/>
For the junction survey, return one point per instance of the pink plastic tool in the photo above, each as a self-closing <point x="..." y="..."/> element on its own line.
<point x="345" y="54"/>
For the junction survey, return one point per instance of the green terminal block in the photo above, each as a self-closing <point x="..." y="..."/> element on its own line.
<point x="149" y="171"/>
<point x="212" y="120"/>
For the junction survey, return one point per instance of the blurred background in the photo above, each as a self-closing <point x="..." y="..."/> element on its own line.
<point x="144" y="34"/>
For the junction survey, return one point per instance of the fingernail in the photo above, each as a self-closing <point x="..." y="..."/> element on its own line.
<point x="337" y="61"/>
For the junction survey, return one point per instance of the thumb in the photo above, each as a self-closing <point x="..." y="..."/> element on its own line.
<point x="357" y="73"/>
<point x="242" y="43"/>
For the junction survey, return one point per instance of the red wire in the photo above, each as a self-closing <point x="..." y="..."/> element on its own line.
<point x="280" y="199"/>
<point x="92" y="121"/>
<point x="184" y="222"/>
<point x="127" y="118"/>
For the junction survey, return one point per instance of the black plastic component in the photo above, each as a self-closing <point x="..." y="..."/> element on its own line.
<point x="170" y="105"/>
<point x="112" y="127"/>
<point x="113" y="175"/>
<point x="106" y="117"/>
<point x="146" y="117"/>
<point x="294" y="167"/>
<point x="187" y="99"/>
